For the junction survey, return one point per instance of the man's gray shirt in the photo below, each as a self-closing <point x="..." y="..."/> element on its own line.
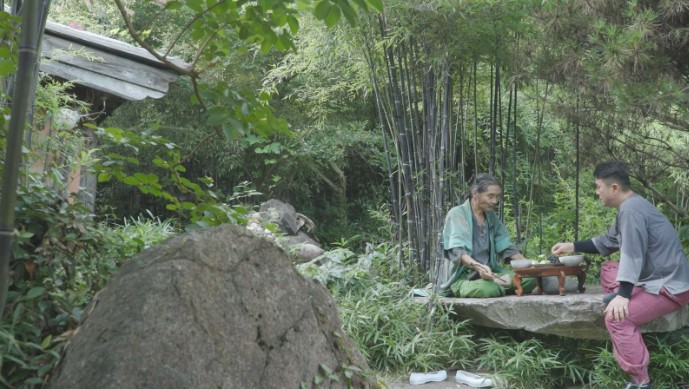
<point x="651" y="255"/>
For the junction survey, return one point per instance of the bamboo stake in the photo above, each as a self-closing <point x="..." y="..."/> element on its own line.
<point x="515" y="188"/>
<point x="504" y="146"/>
<point x="381" y="115"/>
<point x="537" y="157"/>
<point x="476" y="167"/>
<point x="21" y="101"/>
<point x="576" y="190"/>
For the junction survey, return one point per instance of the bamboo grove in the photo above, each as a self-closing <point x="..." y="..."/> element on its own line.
<point x="449" y="79"/>
<point x="428" y="98"/>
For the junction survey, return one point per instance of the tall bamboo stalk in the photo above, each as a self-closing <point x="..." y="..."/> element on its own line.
<point x="403" y="146"/>
<point x="536" y="160"/>
<point x="461" y="112"/>
<point x="476" y="167"/>
<point x="576" y="190"/>
<point x="515" y="188"/>
<point x="439" y="198"/>
<point x="503" y="156"/>
<point x="493" y="112"/>
<point x="21" y="101"/>
<point x="386" y="149"/>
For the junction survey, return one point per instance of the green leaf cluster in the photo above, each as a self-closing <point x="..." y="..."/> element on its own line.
<point x="195" y="204"/>
<point x="330" y="11"/>
<point x="526" y="364"/>
<point x="8" y="44"/>
<point x="240" y="113"/>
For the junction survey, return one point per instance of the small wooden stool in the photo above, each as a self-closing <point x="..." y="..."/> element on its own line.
<point x="549" y="269"/>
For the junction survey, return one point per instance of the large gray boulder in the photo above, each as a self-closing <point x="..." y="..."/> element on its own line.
<point x="216" y="308"/>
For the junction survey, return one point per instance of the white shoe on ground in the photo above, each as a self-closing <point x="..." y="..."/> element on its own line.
<point x="471" y="379"/>
<point x="422" y="378"/>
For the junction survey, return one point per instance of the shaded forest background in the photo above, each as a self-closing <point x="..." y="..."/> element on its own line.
<point x="391" y="117"/>
<point x="372" y="124"/>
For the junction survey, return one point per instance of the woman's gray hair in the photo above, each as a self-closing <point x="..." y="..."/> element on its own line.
<point x="482" y="182"/>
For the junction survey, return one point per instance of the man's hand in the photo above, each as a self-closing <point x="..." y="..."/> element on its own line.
<point x="618" y="308"/>
<point x="562" y="248"/>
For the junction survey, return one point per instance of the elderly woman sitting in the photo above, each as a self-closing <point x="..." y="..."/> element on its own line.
<point x="474" y="238"/>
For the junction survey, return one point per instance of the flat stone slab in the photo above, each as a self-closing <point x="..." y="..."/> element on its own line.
<point x="574" y="315"/>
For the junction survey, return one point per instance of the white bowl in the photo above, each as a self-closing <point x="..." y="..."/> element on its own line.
<point x="520" y="263"/>
<point x="572" y="260"/>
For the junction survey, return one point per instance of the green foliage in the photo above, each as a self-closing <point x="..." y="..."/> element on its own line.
<point x="333" y="173"/>
<point x="206" y="153"/>
<point x="394" y="333"/>
<point x="521" y="360"/>
<point x="224" y="42"/>
<point x="336" y="174"/>
<point x="195" y="203"/>
<point x="54" y="244"/>
<point x="397" y="334"/>
<point x="8" y="47"/>
<point x="605" y="373"/>
<point x="330" y="11"/>
<point x="239" y="113"/>
<point x="25" y="357"/>
<point x="54" y="95"/>
<point x="135" y="235"/>
<point x="325" y="80"/>
<point x="99" y="17"/>
<point x="526" y="364"/>
<point x="51" y="233"/>
<point x="670" y="358"/>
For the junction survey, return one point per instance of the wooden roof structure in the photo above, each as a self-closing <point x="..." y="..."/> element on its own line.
<point x="106" y="72"/>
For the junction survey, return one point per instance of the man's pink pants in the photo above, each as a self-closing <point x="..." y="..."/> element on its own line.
<point x="629" y="347"/>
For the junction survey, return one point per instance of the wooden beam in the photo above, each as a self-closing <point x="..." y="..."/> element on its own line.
<point x="110" y="85"/>
<point x="103" y="43"/>
<point x="61" y="51"/>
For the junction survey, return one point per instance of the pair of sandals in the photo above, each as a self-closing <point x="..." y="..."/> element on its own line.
<point x="462" y="377"/>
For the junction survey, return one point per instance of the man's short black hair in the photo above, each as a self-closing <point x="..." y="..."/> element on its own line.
<point x="613" y="171"/>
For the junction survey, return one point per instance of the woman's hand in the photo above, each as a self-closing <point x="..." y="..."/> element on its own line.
<point x="562" y="248"/>
<point x="483" y="270"/>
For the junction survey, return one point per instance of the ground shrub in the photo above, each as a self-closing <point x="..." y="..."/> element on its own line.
<point x="61" y="259"/>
